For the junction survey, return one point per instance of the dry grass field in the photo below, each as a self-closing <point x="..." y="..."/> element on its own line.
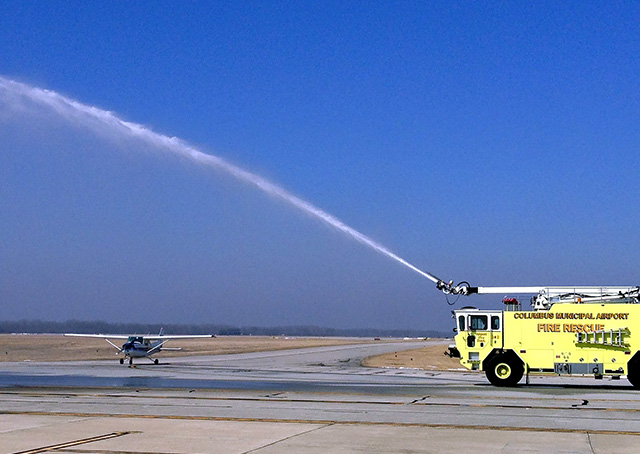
<point x="56" y="347"/>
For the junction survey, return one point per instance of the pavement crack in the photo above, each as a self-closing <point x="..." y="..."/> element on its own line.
<point x="590" y="445"/>
<point x="273" y="443"/>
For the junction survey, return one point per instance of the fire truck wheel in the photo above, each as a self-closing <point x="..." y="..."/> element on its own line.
<point x="504" y="370"/>
<point x="633" y="371"/>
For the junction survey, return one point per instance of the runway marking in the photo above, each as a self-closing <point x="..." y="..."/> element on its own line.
<point x="323" y="422"/>
<point x="75" y="443"/>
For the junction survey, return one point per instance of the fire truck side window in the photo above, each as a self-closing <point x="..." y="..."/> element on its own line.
<point x="461" y="326"/>
<point x="478" y="322"/>
<point x="495" y="322"/>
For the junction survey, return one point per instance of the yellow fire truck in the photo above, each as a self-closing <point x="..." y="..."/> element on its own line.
<point x="569" y="330"/>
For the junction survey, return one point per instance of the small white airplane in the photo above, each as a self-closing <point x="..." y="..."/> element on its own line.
<point x="138" y="346"/>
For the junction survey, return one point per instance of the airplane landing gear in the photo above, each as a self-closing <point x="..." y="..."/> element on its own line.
<point x="155" y="361"/>
<point x="121" y="360"/>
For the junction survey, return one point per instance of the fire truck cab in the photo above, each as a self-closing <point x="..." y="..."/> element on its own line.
<point x="480" y="341"/>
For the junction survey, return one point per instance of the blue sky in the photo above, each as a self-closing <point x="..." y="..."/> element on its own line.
<point x="494" y="142"/>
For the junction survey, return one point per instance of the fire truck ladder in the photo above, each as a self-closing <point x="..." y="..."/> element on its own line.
<point x="610" y="338"/>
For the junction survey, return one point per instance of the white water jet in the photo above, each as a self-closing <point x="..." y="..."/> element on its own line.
<point x="14" y="93"/>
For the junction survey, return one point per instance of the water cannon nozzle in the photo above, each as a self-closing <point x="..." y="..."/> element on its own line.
<point x="445" y="287"/>
<point x="449" y="289"/>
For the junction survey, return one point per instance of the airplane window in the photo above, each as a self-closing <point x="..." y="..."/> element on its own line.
<point x="478" y="322"/>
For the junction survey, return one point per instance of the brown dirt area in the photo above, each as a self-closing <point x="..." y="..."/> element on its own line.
<point x="430" y="357"/>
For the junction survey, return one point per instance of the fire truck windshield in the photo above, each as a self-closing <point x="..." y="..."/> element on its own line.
<point x="478" y="323"/>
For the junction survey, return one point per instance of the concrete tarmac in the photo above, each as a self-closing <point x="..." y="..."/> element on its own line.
<point x="304" y="401"/>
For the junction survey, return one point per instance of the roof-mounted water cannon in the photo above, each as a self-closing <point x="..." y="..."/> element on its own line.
<point x="543" y="297"/>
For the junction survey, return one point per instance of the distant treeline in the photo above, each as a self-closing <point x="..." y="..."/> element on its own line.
<point x="100" y="327"/>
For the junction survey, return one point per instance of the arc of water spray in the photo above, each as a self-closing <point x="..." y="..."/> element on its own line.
<point x="76" y="111"/>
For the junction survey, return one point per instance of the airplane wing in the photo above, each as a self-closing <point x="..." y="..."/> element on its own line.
<point x="99" y="336"/>
<point x="156" y="337"/>
<point x="186" y="336"/>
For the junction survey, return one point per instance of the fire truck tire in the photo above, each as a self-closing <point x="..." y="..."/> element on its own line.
<point x="633" y="371"/>
<point x="504" y="370"/>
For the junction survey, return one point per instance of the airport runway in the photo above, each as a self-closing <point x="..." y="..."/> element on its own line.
<point x="304" y="401"/>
